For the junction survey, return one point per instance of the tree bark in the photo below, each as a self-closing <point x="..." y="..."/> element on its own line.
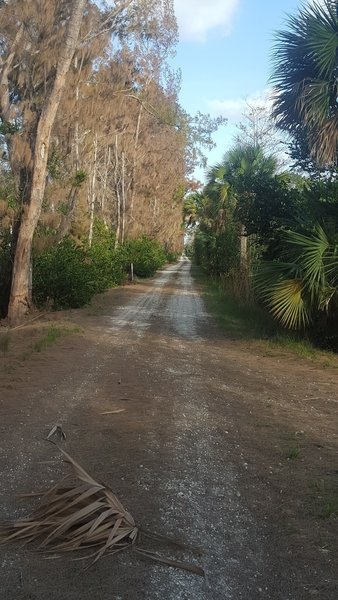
<point x="93" y="192"/>
<point x="137" y="135"/>
<point x="118" y="198"/>
<point x="123" y="199"/>
<point x="5" y="69"/>
<point x="105" y="181"/>
<point x="244" y="264"/>
<point x="19" y="298"/>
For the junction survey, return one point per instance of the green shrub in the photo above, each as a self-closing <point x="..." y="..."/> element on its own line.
<point x="68" y="275"/>
<point x="62" y="275"/>
<point x="5" y="271"/>
<point x="172" y="257"/>
<point x="107" y="265"/>
<point x="217" y="254"/>
<point x="147" y="255"/>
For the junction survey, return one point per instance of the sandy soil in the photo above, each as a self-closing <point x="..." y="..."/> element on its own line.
<point x="220" y="444"/>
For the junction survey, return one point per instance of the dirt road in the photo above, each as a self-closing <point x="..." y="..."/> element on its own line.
<point x="202" y="451"/>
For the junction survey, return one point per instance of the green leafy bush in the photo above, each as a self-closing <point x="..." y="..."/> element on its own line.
<point x="217" y="254"/>
<point x="68" y="275"/>
<point x="5" y="272"/>
<point x="147" y="255"/>
<point x="172" y="257"/>
<point x="62" y="276"/>
<point x="107" y="265"/>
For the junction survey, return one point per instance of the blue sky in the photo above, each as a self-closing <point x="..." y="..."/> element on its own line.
<point x="224" y="54"/>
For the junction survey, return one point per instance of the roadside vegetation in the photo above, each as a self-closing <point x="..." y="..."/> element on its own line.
<point x="265" y="224"/>
<point x="69" y="274"/>
<point x="251" y="321"/>
<point x="52" y="334"/>
<point x="96" y="153"/>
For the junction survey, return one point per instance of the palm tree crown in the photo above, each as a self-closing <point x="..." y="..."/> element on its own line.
<point x="306" y="79"/>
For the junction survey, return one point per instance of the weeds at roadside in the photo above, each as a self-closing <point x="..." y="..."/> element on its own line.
<point x="251" y="322"/>
<point x="324" y="495"/>
<point x="53" y="333"/>
<point x="239" y="320"/>
<point x="94" y="311"/>
<point x="302" y="348"/>
<point x="330" y="508"/>
<point x="293" y="453"/>
<point x="4" y="342"/>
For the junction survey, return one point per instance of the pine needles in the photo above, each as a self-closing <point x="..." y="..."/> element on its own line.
<point x="84" y="516"/>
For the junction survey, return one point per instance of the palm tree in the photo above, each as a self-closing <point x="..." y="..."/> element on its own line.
<point x="306" y="283"/>
<point x="305" y="79"/>
<point x="235" y="175"/>
<point x="230" y="185"/>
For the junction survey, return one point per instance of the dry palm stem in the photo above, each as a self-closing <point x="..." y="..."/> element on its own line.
<point x="86" y="515"/>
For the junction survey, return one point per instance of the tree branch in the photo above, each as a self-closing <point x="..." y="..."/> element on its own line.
<point x="4" y="72"/>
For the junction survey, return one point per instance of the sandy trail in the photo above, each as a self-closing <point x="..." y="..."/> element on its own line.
<point x="184" y="456"/>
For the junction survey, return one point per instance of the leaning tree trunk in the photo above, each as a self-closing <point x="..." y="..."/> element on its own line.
<point x="19" y="298"/>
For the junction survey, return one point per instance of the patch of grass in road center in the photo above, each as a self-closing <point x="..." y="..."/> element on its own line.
<point x="293" y="453"/>
<point x="249" y="321"/>
<point x="324" y="497"/>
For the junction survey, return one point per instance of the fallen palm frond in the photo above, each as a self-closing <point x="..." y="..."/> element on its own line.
<point x="113" y="412"/>
<point x="85" y="515"/>
<point x="58" y="431"/>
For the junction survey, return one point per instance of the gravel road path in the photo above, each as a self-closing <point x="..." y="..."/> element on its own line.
<point x="179" y="456"/>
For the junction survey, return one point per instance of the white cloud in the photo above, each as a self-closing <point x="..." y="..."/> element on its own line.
<point x="197" y="17"/>
<point x="233" y="108"/>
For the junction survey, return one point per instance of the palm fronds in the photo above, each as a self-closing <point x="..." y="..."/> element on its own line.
<point x="287" y="304"/>
<point x="84" y="516"/>
<point x="297" y="289"/>
<point x="305" y="64"/>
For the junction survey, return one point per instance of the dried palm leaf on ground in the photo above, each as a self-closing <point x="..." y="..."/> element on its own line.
<point x="85" y="515"/>
<point x="58" y="431"/>
<point x="113" y="412"/>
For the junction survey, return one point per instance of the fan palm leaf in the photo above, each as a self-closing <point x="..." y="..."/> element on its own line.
<point x="305" y="78"/>
<point x="296" y="290"/>
<point x="287" y="304"/>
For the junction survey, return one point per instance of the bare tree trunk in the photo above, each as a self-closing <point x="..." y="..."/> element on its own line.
<point x="76" y="133"/>
<point x="78" y="68"/>
<point x="117" y="191"/>
<point x="123" y="198"/>
<point x="244" y="263"/>
<point x="154" y="213"/>
<point x="137" y="135"/>
<point x="105" y="180"/>
<point x="19" y="298"/>
<point x="244" y="249"/>
<point x="93" y="192"/>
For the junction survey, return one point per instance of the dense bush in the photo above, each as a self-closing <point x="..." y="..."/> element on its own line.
<point x="106" y="264"/>
<point x="217" y="254"/>
<point x="68" y="275"/>
<point x="63" y="276"/>
<point x="147" y="255"/>
<point x="172" y="257"/>
<point x="5" y="273"/>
